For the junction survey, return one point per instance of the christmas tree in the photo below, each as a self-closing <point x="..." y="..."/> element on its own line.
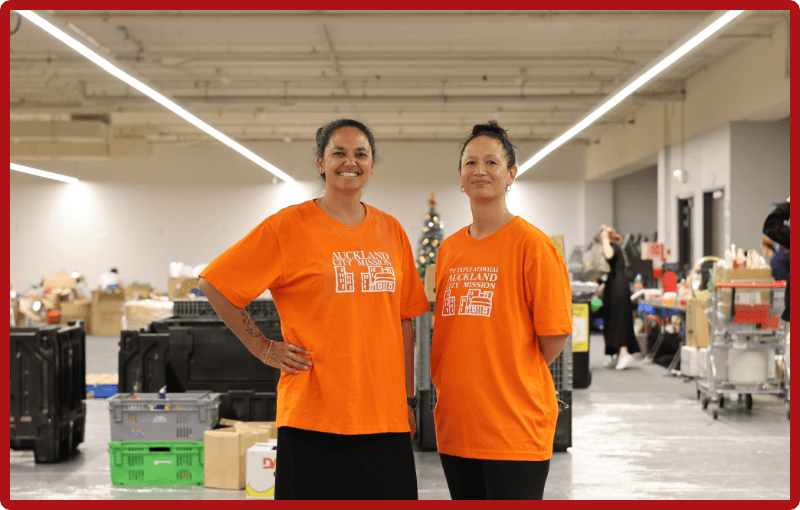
<point x="432" y="235"/>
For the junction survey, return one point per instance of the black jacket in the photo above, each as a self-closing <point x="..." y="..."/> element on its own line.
<point x="776" y="229"/>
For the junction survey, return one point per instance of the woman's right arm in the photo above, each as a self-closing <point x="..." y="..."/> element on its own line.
<point x="282" y="355"/>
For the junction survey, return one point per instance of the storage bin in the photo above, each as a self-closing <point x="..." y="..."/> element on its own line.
<point x="48" y="385"/>
<point x="177" y="417"/>
<point x="156" y="462"/>
<point x="748" y="366"/>
<point x="258" y="309"/>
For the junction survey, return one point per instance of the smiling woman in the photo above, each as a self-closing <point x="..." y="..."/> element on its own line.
<point x="343" y="277"/>
<point x="503" y="314"/>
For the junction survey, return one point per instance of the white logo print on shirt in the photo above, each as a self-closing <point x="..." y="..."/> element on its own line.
<point x="379" y="277"/>
<point x="480" y="283"/>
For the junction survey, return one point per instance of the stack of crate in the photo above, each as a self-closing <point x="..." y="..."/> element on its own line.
<point x="48" y="371"/>
<point x="157" y="439"/>
<point x="162" y="354"/>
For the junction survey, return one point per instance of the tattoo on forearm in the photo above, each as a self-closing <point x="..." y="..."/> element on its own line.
<point x="251" y="328"/>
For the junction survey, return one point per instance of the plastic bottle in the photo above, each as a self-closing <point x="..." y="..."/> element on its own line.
<point x="162" y="395"/>
<point x="638" y="281"/>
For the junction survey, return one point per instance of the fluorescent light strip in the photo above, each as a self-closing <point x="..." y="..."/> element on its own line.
<point x="148" y="91"/>
<point x="631" y="88"/>
<point x="43" y="173"/>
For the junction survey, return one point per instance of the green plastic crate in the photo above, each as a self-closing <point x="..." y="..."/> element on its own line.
<point x="156" y="462"/>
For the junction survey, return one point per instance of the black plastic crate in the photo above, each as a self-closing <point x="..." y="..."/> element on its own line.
<point x="164" y="325"/>
<point x="259" y="309"/>
<point x="563" y="437"/>
<point x="581" y="372"/>
<point x="203" y="354"/>
<point x="425" y="438"/>
<point x="48" y="385"/>
<point x="142" y="361"/>
<point x="247" y="405"/>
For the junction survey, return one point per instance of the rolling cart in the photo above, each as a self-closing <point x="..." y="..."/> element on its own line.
<point x="745" y="332"/>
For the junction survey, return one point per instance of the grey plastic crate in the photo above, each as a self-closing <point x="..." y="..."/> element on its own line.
<point x="195" y="308"/>
<point x="561" y="368"/>
<point x="184" y="417"/>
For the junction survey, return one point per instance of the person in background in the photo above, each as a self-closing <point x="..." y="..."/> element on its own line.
<point x="503" y="314"/>
<point x="775" y="228"/>
<point x="110" y="280"/>
<point x="777" y="257"/>
<point x="618" y="331"/>
<point x="343" y="278"/>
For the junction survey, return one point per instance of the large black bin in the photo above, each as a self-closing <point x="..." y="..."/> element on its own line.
<point x="48" y="385"/>
<point x="193" y="354"/>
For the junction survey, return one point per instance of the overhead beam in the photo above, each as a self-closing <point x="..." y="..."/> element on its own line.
<point x="590" y="99"/>
<point x="259" y="17"/>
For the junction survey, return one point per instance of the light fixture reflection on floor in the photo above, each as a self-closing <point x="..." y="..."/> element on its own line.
<point x="43" y="173"/>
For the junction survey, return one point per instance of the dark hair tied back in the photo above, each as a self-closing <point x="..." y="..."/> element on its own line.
<point x="492" y="130"/>
<point x="325" y="133"/>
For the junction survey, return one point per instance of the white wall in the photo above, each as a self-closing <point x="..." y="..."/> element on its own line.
<point x="190" y="203"/>
<point x="635" y="203"/>
<point x="707" y="163"/>
<point x="749" y="161"/>
<point x="598" y="207"/>
<point x="759" y="176"/>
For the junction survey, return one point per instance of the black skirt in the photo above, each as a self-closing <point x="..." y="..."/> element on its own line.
<point x="320" y="465"/>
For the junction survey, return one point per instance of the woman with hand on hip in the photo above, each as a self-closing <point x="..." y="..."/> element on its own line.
<point x="343" y="278"/>
<point x="503" y="314"/>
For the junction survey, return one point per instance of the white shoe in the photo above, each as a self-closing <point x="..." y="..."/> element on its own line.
<point x="612" y="362"/>
<point x="624" y="362"/>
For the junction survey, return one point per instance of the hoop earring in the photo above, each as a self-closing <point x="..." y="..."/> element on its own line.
<point x="462" y="189"/>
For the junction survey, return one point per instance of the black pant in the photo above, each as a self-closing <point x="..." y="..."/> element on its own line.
<point x="494" y="479"/>
<point x="319" y="465"/>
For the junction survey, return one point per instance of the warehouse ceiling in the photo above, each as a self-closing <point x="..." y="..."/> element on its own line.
<point x="410" y="75"/>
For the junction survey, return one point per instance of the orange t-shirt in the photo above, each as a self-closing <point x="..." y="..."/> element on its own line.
<point x="495" y="397"/>
<point x="341" y="292"/>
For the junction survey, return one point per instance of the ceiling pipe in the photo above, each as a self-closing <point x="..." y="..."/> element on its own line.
<point x="293" y="100"/>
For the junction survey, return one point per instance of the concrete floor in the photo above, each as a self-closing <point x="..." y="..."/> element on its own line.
<point x="637" y="434"/>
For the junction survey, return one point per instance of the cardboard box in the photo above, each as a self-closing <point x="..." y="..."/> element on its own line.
<point x="106" y="323"/>
<point x="265" y="430"/>
<point x="135" y="292"/>
<point x="690" y="361"/>
<point x="226" y="451"/>
<point x="226" y="457"/>
<point x="77" y="310"/>
<point x="107" y="312"/>
<point x="174" y="285"/>
<point x="60" y="280"/>
<point x="139" y="314"/>
<point x="106" y="301"/>
<point x="722" y="275"/>
<point x="50" y="302"/>
<point x="429" y="284"/>
<point x="261" y="460"/>
<point x="698" y="329"/>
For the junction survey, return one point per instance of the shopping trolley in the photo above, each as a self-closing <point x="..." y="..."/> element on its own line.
<point x="747" y="337"/>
